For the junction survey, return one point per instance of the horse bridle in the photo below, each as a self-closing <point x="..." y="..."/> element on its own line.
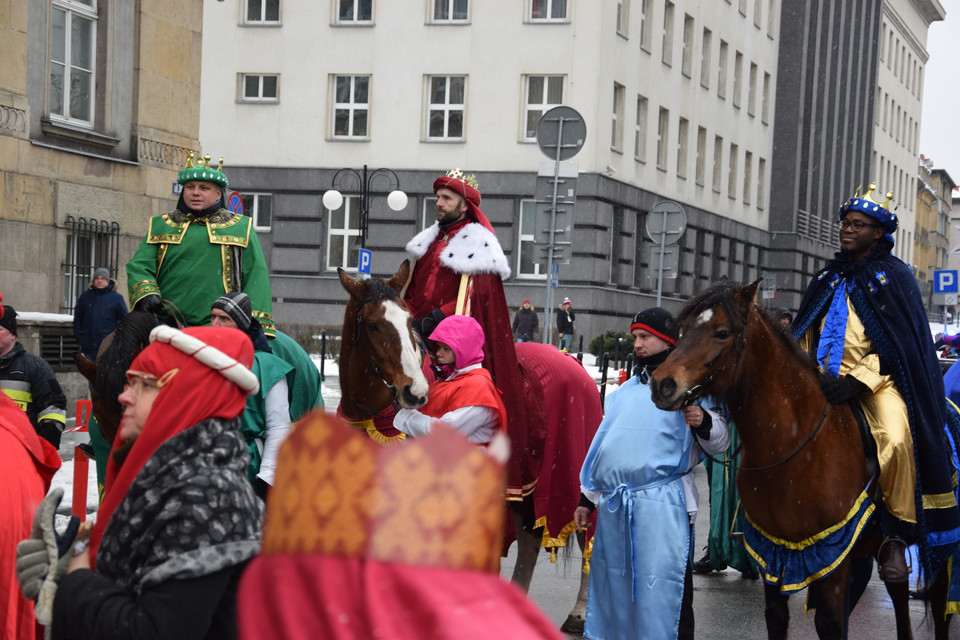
<point x="692" y="394"/>
<point x="376" y="369"/>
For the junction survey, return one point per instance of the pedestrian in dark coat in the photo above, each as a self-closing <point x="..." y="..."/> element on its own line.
<point x="526" y="325"/>
<point x="97" y="313"/>
<point x="565" y="318"/>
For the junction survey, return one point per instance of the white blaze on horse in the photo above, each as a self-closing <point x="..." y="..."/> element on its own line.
<point x="376" y="370"/>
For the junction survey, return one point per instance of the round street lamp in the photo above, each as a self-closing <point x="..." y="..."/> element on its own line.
<point x="362" y="183"/>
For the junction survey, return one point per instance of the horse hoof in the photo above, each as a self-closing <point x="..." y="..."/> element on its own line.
<point x="573" y="625"/>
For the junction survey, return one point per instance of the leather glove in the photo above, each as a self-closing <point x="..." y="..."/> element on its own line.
<point x="841" y="390"/>
<point x="425" y="325"/>
<point x="50" y="430"/>
<point x="42" y="559"/>
<point x="151" y="304"/>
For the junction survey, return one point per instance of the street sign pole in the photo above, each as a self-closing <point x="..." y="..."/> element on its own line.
<point x="663" y="251"/>
<point x="548" y="299"/>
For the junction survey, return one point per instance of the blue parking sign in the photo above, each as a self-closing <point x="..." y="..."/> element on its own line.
<point x="945" y="281"/>
<point x="366" y="258"/>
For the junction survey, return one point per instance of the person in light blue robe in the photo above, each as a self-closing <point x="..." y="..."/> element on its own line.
<point x="638" y="474"/>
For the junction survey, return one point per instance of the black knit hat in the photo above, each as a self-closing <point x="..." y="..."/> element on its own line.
<point x="238" y="307"/>
<point x="8" y="320"/>
<point x="657" y="321"/>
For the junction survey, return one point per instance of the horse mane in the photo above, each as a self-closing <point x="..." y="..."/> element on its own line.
<point x="721" y="294"/>
<point x="130" y="337"/>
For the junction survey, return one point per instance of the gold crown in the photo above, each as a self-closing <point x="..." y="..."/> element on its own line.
<point x="869" y="197"/>
<point x="203" y="163"/>
<point x="433" y="501"/>
<point x="470" y="180"/>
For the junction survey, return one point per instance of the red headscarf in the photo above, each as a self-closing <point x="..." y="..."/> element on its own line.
<point x="194" y="393"/>
<point x="457" y="182"/>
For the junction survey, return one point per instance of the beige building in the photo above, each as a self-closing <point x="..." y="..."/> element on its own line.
<point x="99" y="105"/>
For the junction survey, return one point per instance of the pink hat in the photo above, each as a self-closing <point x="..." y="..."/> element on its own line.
<point x="464" y="336"/>
<point x="566" y="301"/>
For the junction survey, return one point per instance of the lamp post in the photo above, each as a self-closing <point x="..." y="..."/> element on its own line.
<point x="362" y="182"/>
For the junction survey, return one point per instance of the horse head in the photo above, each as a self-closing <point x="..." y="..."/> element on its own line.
<point x="712" y="339"/>
<point x="379" y="361"/>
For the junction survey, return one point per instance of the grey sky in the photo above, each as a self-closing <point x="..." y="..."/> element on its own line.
<point x="939" y="138"/>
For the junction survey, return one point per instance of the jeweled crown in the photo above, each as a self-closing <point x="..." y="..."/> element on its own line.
<point x="202" y="171"/>
<point x="470" y="180"/>
<point x="868" y="195"/>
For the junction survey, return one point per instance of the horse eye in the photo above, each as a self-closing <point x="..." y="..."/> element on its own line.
<point x="372" y="327"/>
<point x="722" y="335"/>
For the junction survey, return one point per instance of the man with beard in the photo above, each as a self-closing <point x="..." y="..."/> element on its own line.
<point x="198" y="252"/>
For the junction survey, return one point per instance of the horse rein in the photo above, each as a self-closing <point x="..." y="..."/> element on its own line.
<point x="373" y="364"/>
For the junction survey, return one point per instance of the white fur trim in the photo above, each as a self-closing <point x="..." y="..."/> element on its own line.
<point x="473" y="250"/>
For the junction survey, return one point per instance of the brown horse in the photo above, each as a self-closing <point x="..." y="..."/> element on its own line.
<point x="375" y="370"/>
<point x="803" y="465"/>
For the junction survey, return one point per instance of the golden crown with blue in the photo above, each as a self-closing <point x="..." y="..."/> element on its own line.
<point x="879" y="210"/>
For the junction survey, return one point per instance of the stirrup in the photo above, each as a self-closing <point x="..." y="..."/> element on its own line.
<point x="894" y="575"/>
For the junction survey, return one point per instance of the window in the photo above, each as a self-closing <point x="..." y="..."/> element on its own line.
<point x="640" y="134"/>
<point x="73" y="29"/>
<point x="429" y="212"/>
<point x="743" y="7"/>
<point x="351" y="107"/>
<point x="765" y="107"/>
<point x="752" y="89"/>
<point x="717" y="162"/>
<point x="543" y="93"/>
<point x="645" y="23"/>
<point x="548" y="9"/>
<point x="682" y="131"/>
<point x="737" y="78"/>
<point x="623" y="9"/>
<point x="701" y="155"/>
<point x="705" y="58"/>
<point x="663" y="129"/>
<point x="732" y="175"/>
<point x="722" y="71"/>
<point x="757" y="13"/>
<point x="761" y="183"/>
<point x="747" y="176"/>
<point x="91" y="244"/>
<point x="686" y="54"/>
<point x="262" y="11"/>
<point x="771" y="17"/>
<point x="354" y="11"/>
<point x="667" y="56"/>
<point x="445" y="111"/>
<point x="450" y="10"/>
<point x="343" y="234"/>
<point x="616" y="133"/>
<point x="259" y="206"/>
<point x="529" y="259"/>
<point x="259" y="88"/>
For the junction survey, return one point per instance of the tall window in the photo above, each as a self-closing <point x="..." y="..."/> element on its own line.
<point x="686" y="54"/>
<point x="663" y="132"/>
<point x="757" y="13"/>
<point x="353" y="11"/>
<point x="682" y="132"/>
<point x="548" y="9"/>
<point x="765" y="107"/>
<point x="529" y="260"/>
<point x="667" y="55"/>
<point x="732" y="175"/>
<point x="90" y="244"/>
<point x="640" y="133"/>
<point x="259" y="206"/>
<point x="616" y="133"/>
<point x="752" y="89"/>
<point x="623" y="12"/>
<point x="645" y="23"/>
<point x="737" y="78"/>
<point x="722" y="70"/>
<point x="543" y="93"/>
<point x="262" y="11"/>
<point x="705" y="58"/>
<point x="260" y="88"/>
<point x="343" y="234"/>
<point x="445" y="111"/>
<point x="717" y="163"/>
<point x="747" y="176"/>
<point x="771" y="17"/>
<point x="761" y="183"/>
<point x="73" y="29"/>
<point x="701" y="155"/>
<point x="450" y="10"/>
<point x="351" y="106"/>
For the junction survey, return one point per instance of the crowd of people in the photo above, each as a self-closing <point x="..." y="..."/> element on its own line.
<point x="208" y="407"/>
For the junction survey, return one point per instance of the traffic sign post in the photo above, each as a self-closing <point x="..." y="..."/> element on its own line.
<point x="945" y="282"/>
<point x="666" y="223"/>
<point x="560" y="135"/>
<point x="365" y="260"/>
<point x="235" y="203"/>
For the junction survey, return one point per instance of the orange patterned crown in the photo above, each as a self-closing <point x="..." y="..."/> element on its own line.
<point x="434" y="501"/>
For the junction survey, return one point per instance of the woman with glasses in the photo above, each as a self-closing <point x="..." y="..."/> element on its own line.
<point x="179" y="520"/>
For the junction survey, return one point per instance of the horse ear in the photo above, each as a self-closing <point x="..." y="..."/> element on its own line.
<point x="351" y="285"/>
<point x="747" y="296"/>
<point x="399" y="279"/>
<point x="87" y="369"/>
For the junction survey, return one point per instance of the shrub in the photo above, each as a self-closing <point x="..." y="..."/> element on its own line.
<point x="608" y="344"/>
